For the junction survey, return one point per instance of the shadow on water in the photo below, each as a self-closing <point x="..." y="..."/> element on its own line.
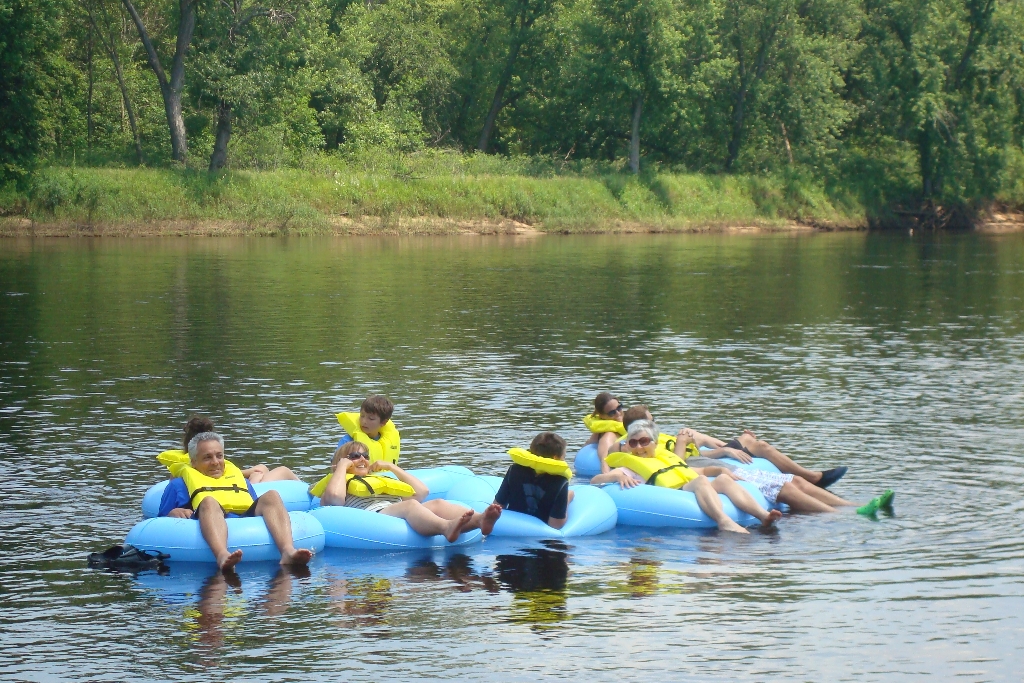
<point x="538" y="580"/>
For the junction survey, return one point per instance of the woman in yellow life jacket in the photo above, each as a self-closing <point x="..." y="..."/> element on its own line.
<point x="352" y="484"/>
<point x="605" y="425"/>
<point x="670" y="470"/>
<point x="214" y="488"/>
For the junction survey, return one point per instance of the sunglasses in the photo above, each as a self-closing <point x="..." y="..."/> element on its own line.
<point x="359" y="455"/>
<point x="616" y="409"/>
<point x="642" y="442"/>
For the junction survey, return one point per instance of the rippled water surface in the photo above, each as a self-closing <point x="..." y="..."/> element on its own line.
<point x="900" y="357"/>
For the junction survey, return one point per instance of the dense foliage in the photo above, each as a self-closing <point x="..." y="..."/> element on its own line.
<point x="899" y="101"/>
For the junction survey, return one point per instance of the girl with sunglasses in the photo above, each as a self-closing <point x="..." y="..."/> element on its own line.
<point x="405" y="500"/>
<point x="605" y="425"/>
<point x="642" y="442"/>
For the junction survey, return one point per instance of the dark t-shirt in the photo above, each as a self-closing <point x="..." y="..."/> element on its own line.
<point x="540" y="495"/>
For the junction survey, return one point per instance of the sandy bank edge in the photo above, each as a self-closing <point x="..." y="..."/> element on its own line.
<point x="371" y="225"/>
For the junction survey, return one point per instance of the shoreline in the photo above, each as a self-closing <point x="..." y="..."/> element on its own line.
<point x="371" y="226"/>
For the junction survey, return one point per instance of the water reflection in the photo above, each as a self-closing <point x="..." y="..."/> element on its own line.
<point x="360" y="601"/>
<point x="457" y="568"/>
<point x="538" y="579"/>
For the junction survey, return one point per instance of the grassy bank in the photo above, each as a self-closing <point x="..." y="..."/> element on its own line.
<point x="435" y="194"/>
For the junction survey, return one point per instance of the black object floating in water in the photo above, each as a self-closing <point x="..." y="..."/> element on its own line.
<point x="128" y="558"/>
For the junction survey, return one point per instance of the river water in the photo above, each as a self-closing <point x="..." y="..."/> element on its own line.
<point x="901" y="357"/>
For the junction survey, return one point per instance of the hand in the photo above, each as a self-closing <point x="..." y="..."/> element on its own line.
<point x="180" y="513"/>
<point x="378" y="465"/>
<point x="739" y="455"/>
<point x="686" y="437"/>
<point x="624" y="478"/>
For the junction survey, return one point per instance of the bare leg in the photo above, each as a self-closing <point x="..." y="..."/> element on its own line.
<point x="707" y="499"/>
<point x="271" y="508"/>
<point x="484" y="521"/>
<point x="425" y="522"/>
<point x="763" y="449"/>
<point x="742" y="499"/>
<point x="280" y="474"/>
<point x="818" y="493"/>
<point x="800" y="501"/>
<point x="214" y="528"/>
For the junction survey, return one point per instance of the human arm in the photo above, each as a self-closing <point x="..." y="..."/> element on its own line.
<point x="174" y="501"/>
<point x="560" y="510"/>
<point x="608" y="443"/>
<point x="619" y="475"/>
<point x="421" y="489"/>
<point x="337" y="487"/>
<point x="702" y="440"/>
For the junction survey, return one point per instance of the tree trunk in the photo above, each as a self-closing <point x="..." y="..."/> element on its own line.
<point x="219" y="158"/>
<point x="89" y="121"/>
<point x="171" y="88"/>
<point x="736" y="138"/>
<point x="634" y="139"/>
<point x="785" y="139"/>
<point x="924" y="149"/>
<point x="498" y="102"/>
<point x="127" y="102"/>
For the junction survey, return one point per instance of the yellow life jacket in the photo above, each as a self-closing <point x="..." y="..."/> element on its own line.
<point x="230" y="490"/>
<point x="539" y="464"/>
<point x="364" y="487"/>
<point x="664" y="469"/>
<point x="173" y="458"/>
<point x="387" y="447"/>
<point x="598" y="426"/>
<point x="668" y="442"/>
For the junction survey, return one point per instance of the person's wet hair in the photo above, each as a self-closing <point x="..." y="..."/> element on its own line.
<point x="378" y="405"/>
<point x="637" y="412"/>
<point x="197" y="424"/>
<point x="601" y="401"/>
<point x="548" y="445"/>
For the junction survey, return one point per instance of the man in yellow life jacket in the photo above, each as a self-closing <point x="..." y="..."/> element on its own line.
<point x="537" y="482"/>
<point x="211" y="488"/>
<point x="372" y="426"/>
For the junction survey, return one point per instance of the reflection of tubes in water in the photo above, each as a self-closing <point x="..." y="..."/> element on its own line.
<point x="458" y="569"/>
<point x="366" y="599"/>
<point x="537" y="577"/>
<point x="643" y="577"/>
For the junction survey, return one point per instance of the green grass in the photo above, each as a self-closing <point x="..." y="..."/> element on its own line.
<point x="383" y="189"/>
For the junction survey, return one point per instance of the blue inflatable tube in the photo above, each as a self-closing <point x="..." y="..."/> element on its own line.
<point x="587" y="463"/>
<point x="357" y="529"/>
<point x="182" y="540"/>
<point x="295" y="495"/>
<point x="591" y="511"/>
<point x="656" y="506"/>
<point x="440" y="480"/>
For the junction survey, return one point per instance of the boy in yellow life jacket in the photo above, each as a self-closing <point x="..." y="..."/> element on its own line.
<point x="531" y="485"/>
<point x="373" y="427"/>
<point x="209" y="488"/>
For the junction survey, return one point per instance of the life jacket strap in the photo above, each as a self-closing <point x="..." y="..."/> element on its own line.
<point x="234" y="488"/>
<point x="651" y="479"/>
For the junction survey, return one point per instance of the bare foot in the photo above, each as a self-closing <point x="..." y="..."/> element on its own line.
<point x="455" y="526"/>
<point x="491" y="515"/>
<point x="297" y="557"/>
<point x="733" y="527"/>
<point x="769" y="521"/>
<point x="229" y="560"/>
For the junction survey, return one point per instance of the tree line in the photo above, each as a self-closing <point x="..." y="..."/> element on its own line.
<point x="919" y="98"/>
